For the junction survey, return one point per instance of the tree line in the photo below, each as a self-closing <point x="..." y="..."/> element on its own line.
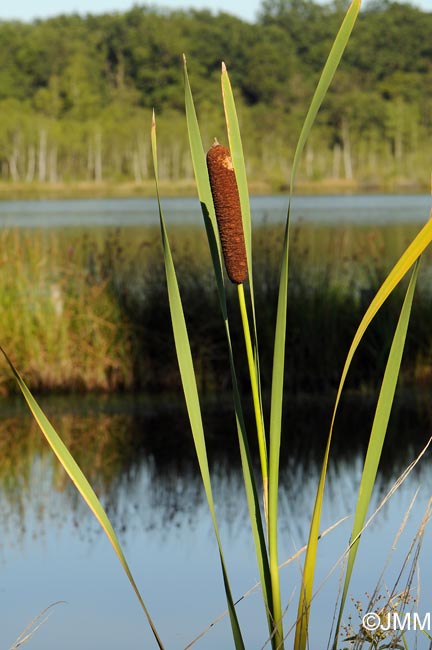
<point x="76" y="93"/>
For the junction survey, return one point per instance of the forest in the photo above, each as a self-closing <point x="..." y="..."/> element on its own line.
<point x="76" y="95"/>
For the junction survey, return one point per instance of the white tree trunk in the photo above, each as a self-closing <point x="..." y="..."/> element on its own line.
<point x="42" y="162"/>
<point x="53" y="177"/>
<point x="347" y="150"/>
<point x="31" y="164"/>
<point x="98" y="157"/>
<point x="13" y="159"/>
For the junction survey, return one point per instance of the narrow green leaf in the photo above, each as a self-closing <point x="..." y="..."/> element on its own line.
<point x="236" y="150"/>
<point x="378" y="433"/>
<point x="327" y="75"/>
<point x="81" y="483"/>
<point x="204" y="193"/>
<point x="276" y="404"/>
<point x="407" y="259"/>
<point x="184" y="357"/>
<point x="326" y="78"/>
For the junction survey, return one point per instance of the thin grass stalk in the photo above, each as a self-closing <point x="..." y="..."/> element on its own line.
<point x="378" y="433"/>
<point x="252" y="498"/>
<point x="35" y="625"/>
<point x="205" y="197"/>
<point x="393" y="595"/>
<point x="373" y="597"/>
<point x="255" y="398"/>
<point x="399" y="481"/>
<point x="396" y="485"/>
<point x="257" y="585"/>
<point x="190" y="390"/>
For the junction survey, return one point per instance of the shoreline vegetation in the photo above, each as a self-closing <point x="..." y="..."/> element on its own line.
<point x="10" y="191"/>
<point x="87" y="312"/>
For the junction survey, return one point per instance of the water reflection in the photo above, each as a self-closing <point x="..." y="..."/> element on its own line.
<point x="138" y="454"/>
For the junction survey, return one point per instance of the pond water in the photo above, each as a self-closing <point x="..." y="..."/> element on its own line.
<point x="138" y="454"/>
<point x="370" y="209"/>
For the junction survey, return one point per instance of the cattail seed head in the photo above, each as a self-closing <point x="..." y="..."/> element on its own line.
<point x="228" y="212"/>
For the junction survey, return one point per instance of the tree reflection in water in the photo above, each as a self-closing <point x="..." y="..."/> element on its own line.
<point x="138" y="454"/>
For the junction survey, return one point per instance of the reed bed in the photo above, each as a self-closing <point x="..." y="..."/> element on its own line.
<point x="62" y="324"/>
<point x="104" y="293"/>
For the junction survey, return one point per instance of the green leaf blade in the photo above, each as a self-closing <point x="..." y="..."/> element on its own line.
<point x="190" y="389"/>
<point x="378" y="433"/>
<point x="326" y="78"/>
<point x="82" y="485"/>
<point x="406" y="261"/>
<point x="204" y="193"/>
<point x="236" y="150"/>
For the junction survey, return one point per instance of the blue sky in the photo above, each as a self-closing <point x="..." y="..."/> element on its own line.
<point x="29" y="9"/>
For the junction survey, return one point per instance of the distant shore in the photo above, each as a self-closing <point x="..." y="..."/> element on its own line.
<point x="128" y="189"/>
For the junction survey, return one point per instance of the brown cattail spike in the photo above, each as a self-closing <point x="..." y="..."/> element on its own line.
<point x="228" y="212"/>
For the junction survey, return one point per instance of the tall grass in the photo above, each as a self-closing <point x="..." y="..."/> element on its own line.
<point x="104" y="292"/>
<point x="61" y="323"/>
<point x="264" y="529"/>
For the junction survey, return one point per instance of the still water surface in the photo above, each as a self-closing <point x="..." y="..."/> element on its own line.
<point x="368" y="209"/>
<point x="139" y="455"/>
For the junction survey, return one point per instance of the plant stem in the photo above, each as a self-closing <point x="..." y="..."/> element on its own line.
<point x="256" y="399"/>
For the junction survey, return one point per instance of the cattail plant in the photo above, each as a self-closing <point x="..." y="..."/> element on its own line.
<point x="221" y="201"/>
<point x="228" y="211"/>
<point x="227" y="207"/>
